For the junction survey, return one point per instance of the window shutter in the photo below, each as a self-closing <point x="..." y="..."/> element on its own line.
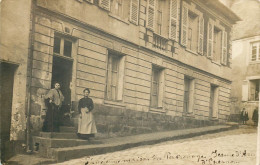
<point x="191" y="95"/>
<point x="161" y="88"/>
<point x="201" y="35"/>
<point x="134" y="10"/>
<point x="105" y="4"/>
<point x="173" y="19"/>
<point x="215" y="104"/>
<point x="121" y="78"/>
<point x="210" y="39"/>
<point x="184" y="32"/>
<point x="109" y="77"/>
<point x="224" y="48"/>
<point x="245" y="91"/>
<point x="150" y="14"/>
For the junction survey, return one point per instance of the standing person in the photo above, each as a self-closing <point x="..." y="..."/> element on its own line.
<point x="53" y="101"/>
<point x="255" y="116"/>
<point x="86" y="124"/>
<point x="244" y="116"/>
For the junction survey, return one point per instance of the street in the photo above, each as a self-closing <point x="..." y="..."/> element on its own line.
<point x="230" y="147"/>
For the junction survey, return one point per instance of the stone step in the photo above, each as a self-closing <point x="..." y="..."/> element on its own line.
<point x="68" y="129"/>
<point x="59" y="135"/>
<point x="46" y="144"/>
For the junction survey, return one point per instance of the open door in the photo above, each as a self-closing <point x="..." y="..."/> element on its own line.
<point x="62" y="73"/>
<point x="6" y="98"/>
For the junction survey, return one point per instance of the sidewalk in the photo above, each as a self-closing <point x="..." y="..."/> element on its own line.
<point x="116" y="144"/>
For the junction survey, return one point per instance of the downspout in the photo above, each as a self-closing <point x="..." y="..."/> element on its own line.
<point x="31" y="46"/>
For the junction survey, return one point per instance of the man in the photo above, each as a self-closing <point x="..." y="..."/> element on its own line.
<point x="53" y="101"/>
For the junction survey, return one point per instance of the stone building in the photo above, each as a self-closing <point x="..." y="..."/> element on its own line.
<point x="245" y="55"/>
<point x="151" y="65"/>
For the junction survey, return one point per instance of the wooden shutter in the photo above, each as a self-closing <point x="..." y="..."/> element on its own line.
<point x="121" y="78"/>
<point x="201" y="35"/>
<point x="105" y="4"/>
<point x="150" y="14"/>
<point x="215" y="104"/>
<point x="173" y="19"/>
<point x="109" y="77"/>
<point x="191" y="95"/>
<point x="210" y="39"/>
<point x="224" y="48"/>
<point x="161" y="88"/>
<point x="245" y="91"/>
<point x="184" y="27"/>
<point x="134" y="10"/>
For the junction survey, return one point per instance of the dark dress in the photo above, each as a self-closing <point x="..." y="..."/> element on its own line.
<point x="86" y="124"/>
<point x="255" y="116"/>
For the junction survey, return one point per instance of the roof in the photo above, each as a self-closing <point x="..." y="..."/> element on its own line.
<point x="221" y="8"/>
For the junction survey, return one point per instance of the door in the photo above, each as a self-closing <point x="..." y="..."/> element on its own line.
<point x="6" y="97"/>
<point x="62" y="73"/>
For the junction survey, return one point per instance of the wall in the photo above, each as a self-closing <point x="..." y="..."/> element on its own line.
<point x="15" y="25"/>
<point x="133" y="114"/>
<point x="243" y="69"/>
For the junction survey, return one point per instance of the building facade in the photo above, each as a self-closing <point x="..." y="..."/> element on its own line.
<point x="245" y="87"/>
<point x="151" y="65"/>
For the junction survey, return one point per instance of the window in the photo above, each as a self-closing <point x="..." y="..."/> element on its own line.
<point x="217" y="45"/>
<point x="62" y="46"/>
<point x="188" y="94"/>
<point x="115" y="74"/>
<point x="255" y="51"/>
<point x="192" y="29"/>
<point x="254" y="90"/>
<point x="157" y="87"/>
<point x="192" y="32"/>
<point x="213" y="105"/>
<point x="159" y="19"/>
<point x="117" y="7"/>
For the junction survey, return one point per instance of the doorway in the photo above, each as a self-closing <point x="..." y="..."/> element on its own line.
<point x="62" y="73"/>
<point x="6" y="98"/>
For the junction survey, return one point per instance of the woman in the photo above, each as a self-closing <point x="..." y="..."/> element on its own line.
<point x="86" y="125"/>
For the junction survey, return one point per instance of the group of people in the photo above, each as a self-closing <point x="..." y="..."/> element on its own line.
<point x="244" y="116"/>
<point x="86" y="122"/>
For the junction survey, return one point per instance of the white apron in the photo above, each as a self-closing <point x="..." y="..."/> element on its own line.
<point x="86" y="123"/>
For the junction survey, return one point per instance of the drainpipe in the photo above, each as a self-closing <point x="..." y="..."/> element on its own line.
<point x="31" y="45"/>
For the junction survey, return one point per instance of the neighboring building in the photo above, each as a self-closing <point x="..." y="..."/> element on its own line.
<point x="150" y="65"/>
<point x="14" y="50"/>
<point x="245" y="55"/>
<point x="246" y="68"/>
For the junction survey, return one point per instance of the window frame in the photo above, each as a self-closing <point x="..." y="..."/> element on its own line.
<point x="257" y="58"/>
<point x="120" y="77"/>
<point x="63" y="38"/>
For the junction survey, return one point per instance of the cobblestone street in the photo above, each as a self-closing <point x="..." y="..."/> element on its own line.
<point x="230" y="147"/>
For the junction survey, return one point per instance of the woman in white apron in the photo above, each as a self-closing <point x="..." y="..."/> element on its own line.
<point x="86" y="124"/>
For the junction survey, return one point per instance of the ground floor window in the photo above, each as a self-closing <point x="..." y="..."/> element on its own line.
<point x="188" y="94"/>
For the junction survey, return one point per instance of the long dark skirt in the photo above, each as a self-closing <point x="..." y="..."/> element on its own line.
<point x="52" y="123"/>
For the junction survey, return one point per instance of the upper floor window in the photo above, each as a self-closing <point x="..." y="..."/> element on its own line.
<point x="62" y="46"/>
<point x="217" y="43"/>
<point x="255" y="51"/>
<point x="192" y="28"/>
<point x="121" y="8"/>
<point x="192" y="31"/>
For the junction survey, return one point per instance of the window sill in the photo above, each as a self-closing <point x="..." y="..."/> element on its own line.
<point x="188" y="114"/>
<point x="252" y="101"/>
<point x="254" y="62"/>
<point x="158" y="110"/>
<point x="213" y="118"/>
<point x="115" y="103"/>
<point x="61" y="56"/>
<point x="219" y="64"/>
<point x="195" y="53"/>
<point x="119" y="18"/>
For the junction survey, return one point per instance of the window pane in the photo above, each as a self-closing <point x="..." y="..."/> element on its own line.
<point x="56" y="48"/>
<point x="67" y="48"/>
